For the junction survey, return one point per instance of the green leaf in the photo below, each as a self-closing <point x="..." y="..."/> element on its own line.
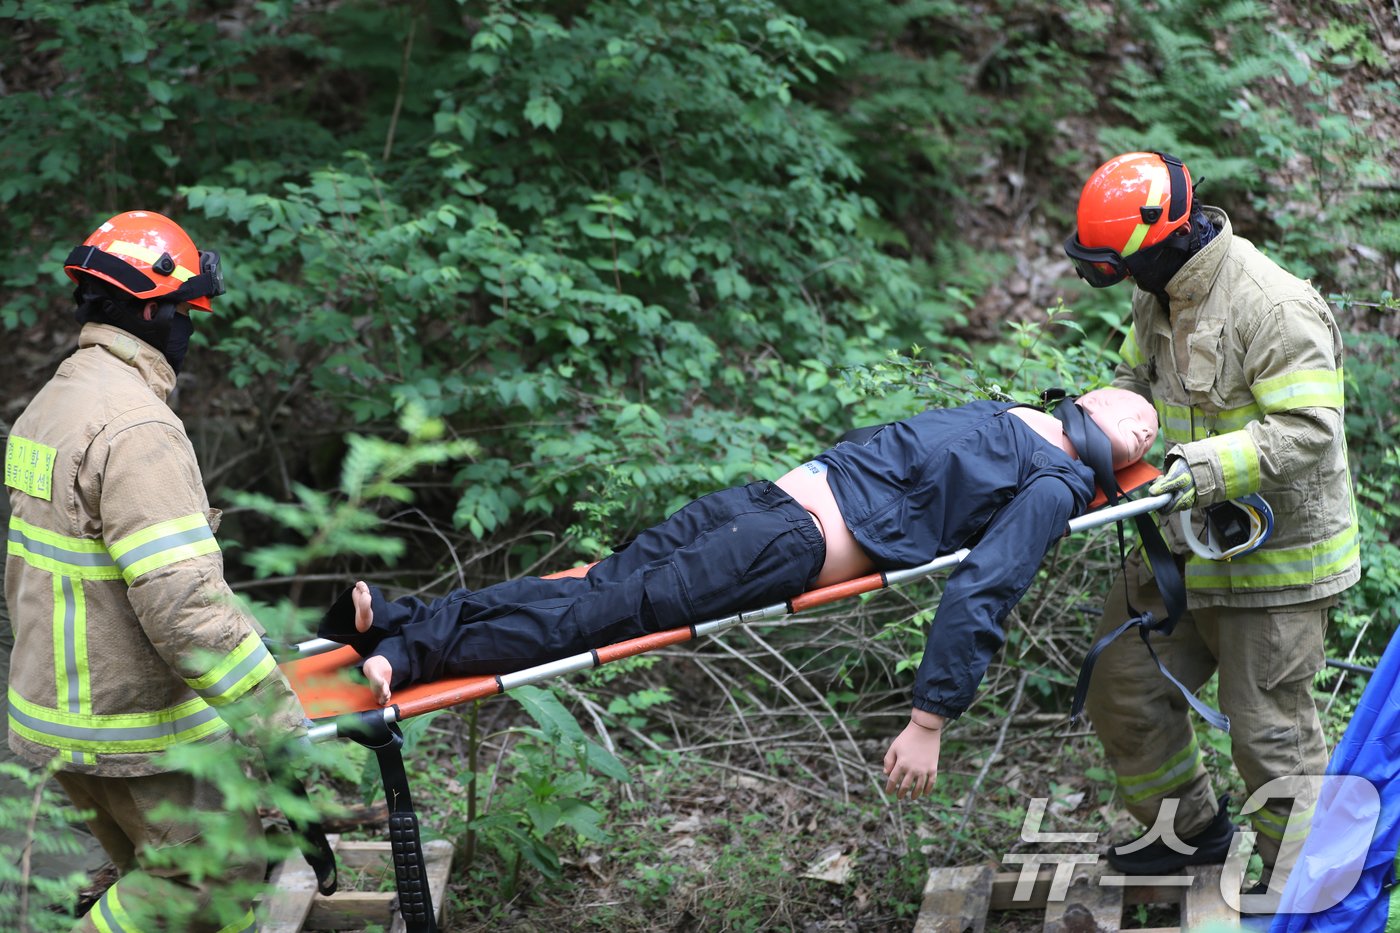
<point x="603" y="760"/>
<point x="544" y="707"/>
<point x="584" y="820"/>
<point x="544" y="815"/>
<point x="544" y="111"/>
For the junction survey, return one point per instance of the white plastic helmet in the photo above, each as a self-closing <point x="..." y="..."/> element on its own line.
<point x="1232" y="528"/>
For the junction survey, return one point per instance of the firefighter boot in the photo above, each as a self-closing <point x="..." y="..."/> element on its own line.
<point x="1165" y="855"/>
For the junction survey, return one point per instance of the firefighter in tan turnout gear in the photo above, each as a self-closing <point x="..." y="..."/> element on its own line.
<point x="1243" y="362"/>
<point x="127" y="640"/>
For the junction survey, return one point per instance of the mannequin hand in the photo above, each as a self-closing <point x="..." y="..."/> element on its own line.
<point x="911" y="764"/>
<point x="1179" y="483"/>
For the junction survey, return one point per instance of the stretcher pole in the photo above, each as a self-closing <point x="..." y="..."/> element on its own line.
<point x="475" y="688"/>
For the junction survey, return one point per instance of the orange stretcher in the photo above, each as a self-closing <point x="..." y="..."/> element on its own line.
<point x="342" y="707"/>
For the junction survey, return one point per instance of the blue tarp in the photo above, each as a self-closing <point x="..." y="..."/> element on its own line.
<point x="1342" y="876"/>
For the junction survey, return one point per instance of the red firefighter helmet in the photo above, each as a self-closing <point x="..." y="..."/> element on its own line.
<point x="1130" y="204"/>
<point x="148" y="256"/>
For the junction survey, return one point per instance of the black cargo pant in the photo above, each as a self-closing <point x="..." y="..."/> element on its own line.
<point x="737" y="549"/>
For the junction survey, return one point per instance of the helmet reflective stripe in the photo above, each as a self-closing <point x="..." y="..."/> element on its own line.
<point x="118" y="733"/>
<point x="150" y="257"/>
<point x="147" y="255"/>
<point x="1132" y="202"/>
<point x="1154" y="199"/>
<point x="239" y="671"/>
<point x="163" y="544"/>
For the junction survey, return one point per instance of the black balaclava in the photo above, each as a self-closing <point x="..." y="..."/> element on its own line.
<point x="1169" y="259"/>
<point x="100" y="303"/>
<point x="178" y="343"/>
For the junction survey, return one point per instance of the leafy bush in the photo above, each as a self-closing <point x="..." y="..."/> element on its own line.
<point x="42" y="819"/>
<point x="621" y="243"/>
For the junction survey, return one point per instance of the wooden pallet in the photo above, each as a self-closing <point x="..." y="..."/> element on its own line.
<point x="293" y="904"/>
<point x="961" y="900"/>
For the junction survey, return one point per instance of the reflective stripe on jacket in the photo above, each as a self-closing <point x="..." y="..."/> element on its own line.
<point x="127" y="638"/>
<point x="1246" y="376"/>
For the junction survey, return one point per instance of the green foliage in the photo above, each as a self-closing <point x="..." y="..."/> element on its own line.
<point x="1371" y="609"/>
<point x="43" y="820"/>
<point x="1200" y="55"/>
<point x="637" y="251"/>
<point x="339" y="523"/>
<point x="544" y="803"/>
<point x="1372" y="379"/>
<point x="634" y="242"/>
<point x="1208" y="91"/>
<point x="134" y="100"/>
<point x="237" y="771"/>
<point x="575" y="308"/>
<point x="1351" y="42"/>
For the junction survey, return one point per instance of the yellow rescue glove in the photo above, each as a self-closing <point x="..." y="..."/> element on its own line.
<point x="1178" y="482"/>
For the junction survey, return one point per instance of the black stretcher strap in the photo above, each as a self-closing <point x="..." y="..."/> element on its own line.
<point x="405" y="844"/>
<point x="321" y="858"/>
<point x="1097" y="453"/>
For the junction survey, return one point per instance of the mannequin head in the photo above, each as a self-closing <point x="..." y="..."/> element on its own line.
<point x="1128" y="419"/>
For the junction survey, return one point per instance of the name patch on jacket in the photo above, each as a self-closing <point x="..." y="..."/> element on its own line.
<point x="29" y="467"/>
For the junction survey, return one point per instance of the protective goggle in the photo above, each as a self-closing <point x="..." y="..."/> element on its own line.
<point x="1231" y="528"/>
<point x="209" y="283"/>
<point x="1102" y="267"/>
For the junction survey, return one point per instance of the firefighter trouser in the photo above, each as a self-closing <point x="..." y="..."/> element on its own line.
<point x="149" y="890"/>
<point x="1265" y="658"/>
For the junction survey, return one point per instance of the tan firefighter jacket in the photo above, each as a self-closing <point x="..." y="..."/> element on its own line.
<point x="1246" y="376"/>
<point x="127" y="638"/>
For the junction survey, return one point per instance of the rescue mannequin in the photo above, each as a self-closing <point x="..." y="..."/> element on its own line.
<point x="999" y="474"/>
